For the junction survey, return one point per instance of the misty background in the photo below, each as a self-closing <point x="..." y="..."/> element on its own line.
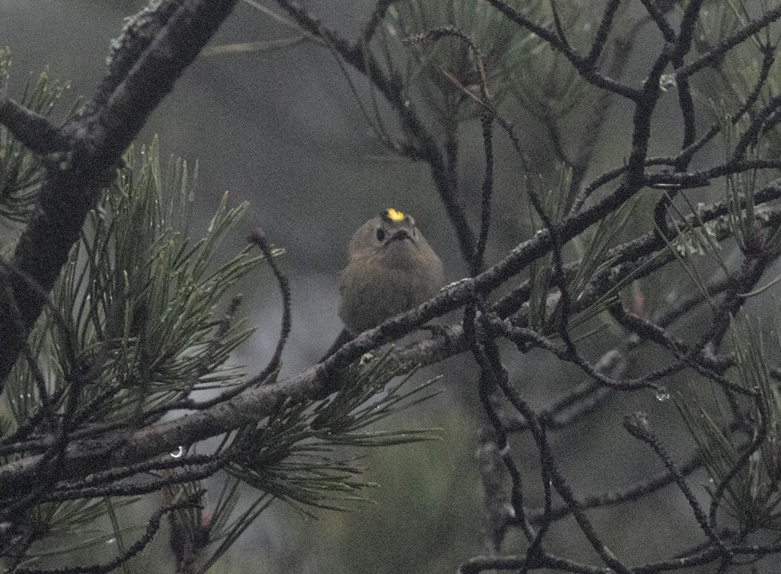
<point x="282" y="130"/>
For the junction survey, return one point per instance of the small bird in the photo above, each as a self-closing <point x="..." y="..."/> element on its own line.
<point x="390" y="269"/>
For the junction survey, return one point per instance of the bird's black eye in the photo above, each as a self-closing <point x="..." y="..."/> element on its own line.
<point x="380" y="234"/>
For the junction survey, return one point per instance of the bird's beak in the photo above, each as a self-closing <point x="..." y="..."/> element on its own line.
<point x="400" y="235"/>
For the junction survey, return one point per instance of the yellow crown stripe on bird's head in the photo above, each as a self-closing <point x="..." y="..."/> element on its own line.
<point x="394" y="215"/>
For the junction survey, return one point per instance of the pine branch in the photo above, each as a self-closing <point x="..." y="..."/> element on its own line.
<point x="87" y="151"/>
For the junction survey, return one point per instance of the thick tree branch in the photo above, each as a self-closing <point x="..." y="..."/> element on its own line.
<point x="87" y="151"/>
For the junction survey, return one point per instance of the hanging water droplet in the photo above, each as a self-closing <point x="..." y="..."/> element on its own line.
<point x="178" y="452"/>
<point x="662" y="394"/>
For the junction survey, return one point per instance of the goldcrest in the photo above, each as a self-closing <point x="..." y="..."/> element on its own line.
<point x="391" y="268"/>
